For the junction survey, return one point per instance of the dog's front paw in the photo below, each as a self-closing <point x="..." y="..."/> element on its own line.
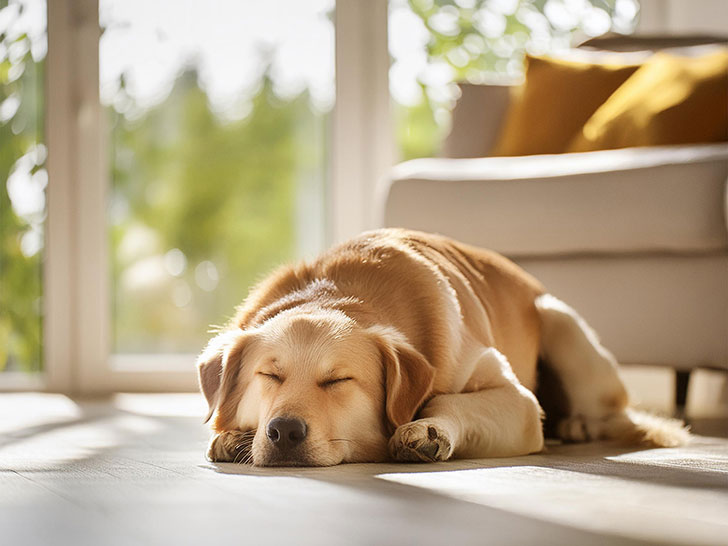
<point x="231" y="446"/>
<point x="420" y="441"/>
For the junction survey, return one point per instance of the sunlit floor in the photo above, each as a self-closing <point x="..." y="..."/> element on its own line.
<point x="130" y="470"/>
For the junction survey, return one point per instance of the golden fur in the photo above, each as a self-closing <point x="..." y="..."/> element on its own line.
<point x="395" y="325"/>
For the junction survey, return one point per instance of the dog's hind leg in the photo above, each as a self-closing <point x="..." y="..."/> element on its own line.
<point x="597" y="399"/>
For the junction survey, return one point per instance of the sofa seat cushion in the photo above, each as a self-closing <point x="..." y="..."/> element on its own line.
<point x="630" y="200"/>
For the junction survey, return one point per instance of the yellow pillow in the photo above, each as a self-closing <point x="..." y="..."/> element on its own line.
<point x="555" y="101"/>
<point x="669" y="100"/>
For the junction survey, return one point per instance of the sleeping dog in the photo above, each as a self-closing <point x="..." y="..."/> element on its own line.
<point x="414" y="347"/>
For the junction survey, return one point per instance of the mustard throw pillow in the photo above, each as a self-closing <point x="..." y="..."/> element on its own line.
<point x="555" y="101"/>
<point x="669" y="100"/>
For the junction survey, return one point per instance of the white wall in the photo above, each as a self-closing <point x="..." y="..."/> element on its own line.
<point x="684" y="17"/>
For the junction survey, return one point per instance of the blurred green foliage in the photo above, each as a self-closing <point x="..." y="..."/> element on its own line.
<point x="22" y="158"/>
<point x="194" y="194"/>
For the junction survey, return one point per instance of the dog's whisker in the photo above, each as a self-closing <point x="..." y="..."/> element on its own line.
<point x="241" y="448"/>
<point x="241" y="455"/>
<point x="248" y="459"/>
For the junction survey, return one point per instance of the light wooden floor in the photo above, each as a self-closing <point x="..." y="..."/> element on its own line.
<point x="130" y="470"/>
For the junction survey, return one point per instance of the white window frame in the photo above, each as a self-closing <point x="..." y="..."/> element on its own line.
<point x="77" y="310"/>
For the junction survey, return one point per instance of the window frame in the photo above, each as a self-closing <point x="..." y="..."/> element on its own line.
<point x="76" y="273"/>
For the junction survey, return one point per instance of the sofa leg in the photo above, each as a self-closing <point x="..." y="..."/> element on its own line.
<point x="682" y="380"/>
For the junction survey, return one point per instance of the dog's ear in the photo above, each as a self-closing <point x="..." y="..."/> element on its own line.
<point x="223" y="352"/>
<point x="408" y="376"/>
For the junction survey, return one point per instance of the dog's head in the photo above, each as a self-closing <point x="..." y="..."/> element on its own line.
<point x="315" y="387"/>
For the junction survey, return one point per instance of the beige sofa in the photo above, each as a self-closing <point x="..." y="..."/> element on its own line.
<point x="635" y="239"/>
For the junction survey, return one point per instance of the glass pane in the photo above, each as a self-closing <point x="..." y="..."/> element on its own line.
<point x="23" y="47"/>
<point x="435" y="43"/>
<point x="218" y="115"/>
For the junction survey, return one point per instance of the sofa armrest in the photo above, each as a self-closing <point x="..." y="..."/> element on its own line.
<point x="615" y="201"/>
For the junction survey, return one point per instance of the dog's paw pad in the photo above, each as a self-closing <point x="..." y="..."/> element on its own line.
<point x="420" y="442"/>
<point x="431" y="433"/>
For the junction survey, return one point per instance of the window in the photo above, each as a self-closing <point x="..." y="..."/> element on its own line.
<point x="187" y="147"/>
<point x="24" y="178"/>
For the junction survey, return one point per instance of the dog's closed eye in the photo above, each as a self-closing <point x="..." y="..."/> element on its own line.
<point x="273" y="377"/>
<point x="331" y="382"/>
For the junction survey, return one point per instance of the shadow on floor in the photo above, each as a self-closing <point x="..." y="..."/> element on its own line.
<point x="677" y="467"/>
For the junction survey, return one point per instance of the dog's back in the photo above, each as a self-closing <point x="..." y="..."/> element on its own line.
<point x="431" y="288"/>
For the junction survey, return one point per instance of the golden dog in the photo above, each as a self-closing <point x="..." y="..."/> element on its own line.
<point x="411" y="346"/>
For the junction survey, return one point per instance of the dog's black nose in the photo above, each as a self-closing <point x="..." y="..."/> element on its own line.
<point x="286" y="432"/>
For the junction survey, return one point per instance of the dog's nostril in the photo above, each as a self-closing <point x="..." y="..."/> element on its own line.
<point x="286" y="432"/>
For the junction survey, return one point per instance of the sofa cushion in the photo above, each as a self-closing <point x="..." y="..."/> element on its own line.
<point x="669" y="100"/>
<point x="557" y="98"/>
<point x="616" y="201"/>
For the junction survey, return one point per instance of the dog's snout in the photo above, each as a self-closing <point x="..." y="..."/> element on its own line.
<point x="286" y="432"/>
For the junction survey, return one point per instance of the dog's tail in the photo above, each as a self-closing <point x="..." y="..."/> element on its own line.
<point x="639" y="428"/>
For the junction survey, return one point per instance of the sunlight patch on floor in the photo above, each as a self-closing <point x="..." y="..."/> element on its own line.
<point x="65" y="442"/>
<point x="599" y="502"/>
<point x="162" y="405"/>
<point x="677" y="458"/>
<point x="20" y="411"/>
